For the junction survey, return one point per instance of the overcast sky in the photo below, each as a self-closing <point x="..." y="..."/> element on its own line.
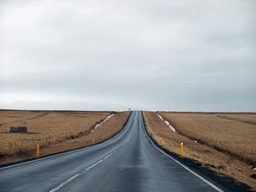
<point x="175" y="55"/>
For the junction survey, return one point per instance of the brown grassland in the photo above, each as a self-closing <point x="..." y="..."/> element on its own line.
<point x="225" y="142"/>
<point x="54" y="131"/>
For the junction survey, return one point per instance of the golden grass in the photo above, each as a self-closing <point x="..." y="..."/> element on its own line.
<point x="44" y="128"/>
<point x="111" y="127"/>
<point x="246" y="117"/>
<point x="233" y="136"/>
<point x="54" y="131"/>
<point x="205" y="126"/>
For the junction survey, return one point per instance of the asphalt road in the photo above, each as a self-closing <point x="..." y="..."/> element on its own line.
<point x="127" y="162"/>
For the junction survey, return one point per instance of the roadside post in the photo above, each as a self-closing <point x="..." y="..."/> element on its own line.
<point x="161" y="141"/>
<point x="37" y="151"/>
<point x="181" y="146"/>
<point x="93" y="141"/>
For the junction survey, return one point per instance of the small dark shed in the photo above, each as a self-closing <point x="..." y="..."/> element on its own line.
<point x="18" y="129"/>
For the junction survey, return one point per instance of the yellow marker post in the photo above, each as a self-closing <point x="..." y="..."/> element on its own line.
<point x="161" y="141"/>
<point x="37" y="151"/>
<point x="181" y="146"/>
<point x="93" y="141"/>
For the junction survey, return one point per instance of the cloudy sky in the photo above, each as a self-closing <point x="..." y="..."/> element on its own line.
<point x="174" y="55"/>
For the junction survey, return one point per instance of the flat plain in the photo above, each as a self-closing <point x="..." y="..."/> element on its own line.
<point x="224" y="142"/>
<point x="233" y="133"/>
<point x="54" y="131"/>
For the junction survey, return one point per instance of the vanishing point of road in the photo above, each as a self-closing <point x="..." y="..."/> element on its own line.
<point x="127" y="162"/>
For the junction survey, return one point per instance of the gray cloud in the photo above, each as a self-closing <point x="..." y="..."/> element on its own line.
<point x="186" y="55"/>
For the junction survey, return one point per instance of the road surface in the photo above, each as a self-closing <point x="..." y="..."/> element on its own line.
<point x="127" y="162"/>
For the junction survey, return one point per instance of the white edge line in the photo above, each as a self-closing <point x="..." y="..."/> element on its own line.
<point x="42" y="158"/>
<point x="208" y="182"/>
<point x="64" y="183"/>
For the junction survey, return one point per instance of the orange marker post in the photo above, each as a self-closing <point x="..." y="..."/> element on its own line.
<point x="181" y="146"/>
<point x="37" y="151"/>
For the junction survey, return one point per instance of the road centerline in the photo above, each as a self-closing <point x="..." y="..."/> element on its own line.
<point x="108" y="156"/>
<point x="100" y="161"/>
<point x="129" y="161"/>
<point x="93" y="165"/>
<point x="64" y="183"/>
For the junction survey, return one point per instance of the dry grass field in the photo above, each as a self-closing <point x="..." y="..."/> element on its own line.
<point x="52" y="130"/>
<point x="233" y="133"/>
<point x="246" y="118"/>
<point x="220" y="140"/>
<point x="107" y="130"/>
